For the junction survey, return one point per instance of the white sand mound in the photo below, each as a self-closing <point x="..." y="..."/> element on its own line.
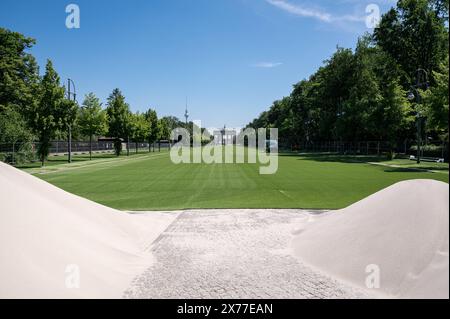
<point x="403" y="229"/>
<point x="44" y="230"/>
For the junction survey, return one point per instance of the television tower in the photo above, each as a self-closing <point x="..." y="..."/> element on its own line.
<point x="186" y="113"/>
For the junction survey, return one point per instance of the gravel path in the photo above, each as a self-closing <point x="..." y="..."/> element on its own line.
<point x="233" y="254"/>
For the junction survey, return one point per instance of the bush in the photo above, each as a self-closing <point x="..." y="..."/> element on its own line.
<point x="24" y="153"/>
<point x="431" y="150"/>
<point x="390" y="155"/>
<point x="428" y="147"/>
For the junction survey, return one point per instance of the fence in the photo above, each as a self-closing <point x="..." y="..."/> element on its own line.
<point x="20" y="152"/>
<point x="61" y="147"/>
<point x="26" y="152"/>
<point x="435" y="149"/>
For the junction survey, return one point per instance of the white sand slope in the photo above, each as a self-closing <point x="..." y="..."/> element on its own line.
<point x="403" y="229"/>
<point x="44" y="230"/>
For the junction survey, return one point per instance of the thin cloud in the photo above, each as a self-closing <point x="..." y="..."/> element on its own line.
<point x="267" y="65"/>
<point x="313" y="13"/>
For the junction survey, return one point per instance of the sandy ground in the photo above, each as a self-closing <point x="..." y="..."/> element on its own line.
<point x="400" y="233"/>
<point x="57" y="245"/>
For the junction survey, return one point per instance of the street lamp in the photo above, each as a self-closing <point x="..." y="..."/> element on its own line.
<point x="69" y="133"/>
<point x="421" y="83"/>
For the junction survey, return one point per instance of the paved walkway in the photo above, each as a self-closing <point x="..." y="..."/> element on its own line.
<point x="233" y="254"/>
<point x="413" y="169"/>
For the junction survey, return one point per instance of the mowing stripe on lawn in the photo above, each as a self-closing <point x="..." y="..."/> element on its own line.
<point x="155" y="183"/>
<point x="88" y="164"/>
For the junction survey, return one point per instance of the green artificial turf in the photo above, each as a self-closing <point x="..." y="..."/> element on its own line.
<point x="153" y="182"/>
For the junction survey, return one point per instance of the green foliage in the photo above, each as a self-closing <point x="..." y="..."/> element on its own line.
<point x="21" y="153"/>
<point x="92" y="119"/>
<point x="415" y="35"/>
<point x="34" y="107"/>
<point x="390" y="155"/>
<point x="13" y="127"/>
<point x="152" y="120"/>
<point x="19" y="76"/>
<point x="118" y="119"/>
<point x="348" y="98"/>
<point x="436" y="100"/>
<point x="362" y="95"/>
<point x="52" y="112"/>
<point x="163" y="129"/>
<point x="140" y="127"/>
<point x="19" y="82"/>
<point x="172" y="121"/>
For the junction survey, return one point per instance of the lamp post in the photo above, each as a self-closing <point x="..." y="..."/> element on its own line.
<point x="69" y="133"/>
<point x="223" y="134"/>
<point x="421" y="83"/>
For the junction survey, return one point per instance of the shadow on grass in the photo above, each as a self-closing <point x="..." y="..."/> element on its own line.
<point x="62" y="159"/>
<point x="411" y="169"/>
<point x="423" y="167"/>
<point x="337" y="158"/>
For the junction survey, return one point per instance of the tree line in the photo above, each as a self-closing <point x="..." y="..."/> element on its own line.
<point x="37" y="108"/>
<point x="368" y="93"/>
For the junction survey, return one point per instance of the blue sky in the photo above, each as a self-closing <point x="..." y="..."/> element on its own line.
<point x="231" y="58"/>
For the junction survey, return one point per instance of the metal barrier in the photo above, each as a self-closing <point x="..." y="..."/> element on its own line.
<point x="13" y="153"/>
<point x="429" y="148"/>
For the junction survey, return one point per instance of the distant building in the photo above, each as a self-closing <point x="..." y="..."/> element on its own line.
<point x="224" y="136"/>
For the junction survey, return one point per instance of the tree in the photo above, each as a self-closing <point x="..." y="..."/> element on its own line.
<point x="163" y="129"/>
<point x="152" y="119"/>
<point x="364" y="95"/>
<point x="52" y="113"/>
<point x="436" y="101"/>
<point x="13" y="127"/>
<point x="354" y="96"/>
<point x="140" y="128"/>
<point x="415" y="35"/>
<point x="14" y="131"/>
<point x="118" y="113"/>
<point x="92" y="119"/>
<point x="19" y="85"/>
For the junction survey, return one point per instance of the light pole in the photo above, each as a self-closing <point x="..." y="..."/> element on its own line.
<point x="69" y="133"/>
<point x="421" y="83"/>
<point x="223" y="134"/>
